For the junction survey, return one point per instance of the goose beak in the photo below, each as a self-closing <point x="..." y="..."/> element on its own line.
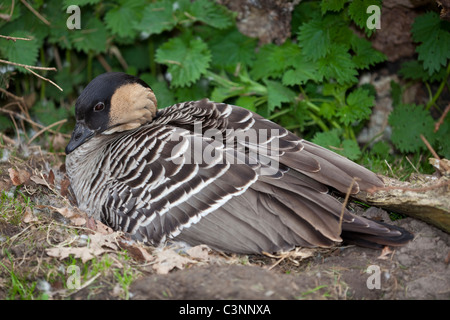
<point x="80" y="134"/>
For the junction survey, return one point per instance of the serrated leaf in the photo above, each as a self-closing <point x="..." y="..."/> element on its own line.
<point x="186" y="59"/>
<point x="314" y="39"/>
<point x="358" y="106"/>
<point x="365" y="55"/>
<point x="434" y="35"/>
<point x="332" y="141"/>
<point x="247" y="102"/>
<point x="351" y="149"/>
<point x="424" y="26"/>
<point x="272" y="60"/>
<point x="211" y="13"/>
<point x="79" y="2"/>
<point x="328" y="139"/>
<point x="157" y="17"/>
<point x="444" y="141"/>
<point x="332" y="5"/>
<point x="277" y="94"/>
<point x="415" y="70"/>
<point x="20" y="51"/>
<point x="409" y="121"/>
<point x="230" y="47"/>
<point x="338" y="65"/>
<point x="304" y="71"/>
<point x="91" y="37"/>
<point x="120" y="19"/>
<point x="357" y="10"/>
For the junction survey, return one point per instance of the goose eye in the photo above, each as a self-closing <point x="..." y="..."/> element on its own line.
<point x="99" y="106"/>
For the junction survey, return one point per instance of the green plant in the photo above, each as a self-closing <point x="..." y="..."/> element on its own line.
<point x="432" y="66"/>
<point x="19" y="286"/>
<point x="192" y="49"/>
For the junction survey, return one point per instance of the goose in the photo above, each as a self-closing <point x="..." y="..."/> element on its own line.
<point x="201" y="172"/>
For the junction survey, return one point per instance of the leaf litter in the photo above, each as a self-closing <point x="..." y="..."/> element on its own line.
<point x="61" y="233"/>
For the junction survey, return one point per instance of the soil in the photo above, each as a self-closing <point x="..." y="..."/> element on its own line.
<point x="418" y="270"/>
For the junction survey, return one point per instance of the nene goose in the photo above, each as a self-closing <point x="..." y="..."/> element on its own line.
<point x="209" y="173"/>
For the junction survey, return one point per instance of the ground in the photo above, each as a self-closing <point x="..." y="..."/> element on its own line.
<point x="417" y="271"/>
<point x="42" y="235"/>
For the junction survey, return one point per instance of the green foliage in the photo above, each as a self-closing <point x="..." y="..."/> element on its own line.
<point x="191" y="49"/>
<point x="187" y="59"/>
<point x="409" y="122"/>
<point x="434" y="36"/>
<point x="431" y="66"/>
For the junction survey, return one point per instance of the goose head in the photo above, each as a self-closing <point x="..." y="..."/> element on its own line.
<point x="112" y="102"/>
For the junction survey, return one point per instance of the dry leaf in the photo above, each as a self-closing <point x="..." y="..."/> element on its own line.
<point x="29" y="216"/>
<point x="75" y="218"/>
<point x="51" y="177"/>
<point x="167" y="259"/>
<point x="39" y="180"/>
<point x="199" y="252"/>
<point x="96" y="247"/>
<point x="18" y="177"/>
<point x="385" y="253"/>
<point x="65" y="183"/>
<point x="136" y="251"/>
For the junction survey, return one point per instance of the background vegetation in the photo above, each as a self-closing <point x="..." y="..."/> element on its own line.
<point x="310" y="83"/>
<point x="192" y="49"/>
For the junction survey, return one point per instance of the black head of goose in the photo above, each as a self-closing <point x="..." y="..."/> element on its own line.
<point x="209" y="173"/>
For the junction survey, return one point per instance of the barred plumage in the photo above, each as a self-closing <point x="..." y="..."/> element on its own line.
<point x="262" y="188"/>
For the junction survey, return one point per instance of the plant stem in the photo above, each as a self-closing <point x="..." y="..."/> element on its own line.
<point x="440" y="89"/>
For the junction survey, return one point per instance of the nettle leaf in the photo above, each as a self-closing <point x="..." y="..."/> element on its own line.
<point x="338" y="65"/>
<point x="365" y="55"/>
<point x="211" y="14"/>
<point x="157" y="17"/>
<point x="272" y="60"/>
<point x="91" y="37"/>
<point x="332" y="5"/>
<point x="304" y="71"/>
<point x="444" y="141"/>
<point x="314" y="38"/>
<point x="434" y="51"/>
<point x="79" y="2"/>
<point x="332" y="141"/>
<point x="20" y="51"/>
<point x="187" y="59"/>
<point x="415" y="70"/>
<point x="409" y="121"/>
<point x="230" y="47"/>
<point x="358" y="106"/>
<point x="357" y="10"/>
<point x="121" y="19"/>
<point x="277" y="94"/>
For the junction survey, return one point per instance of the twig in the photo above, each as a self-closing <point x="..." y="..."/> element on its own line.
<point x="441" y="118"/>
<point x="8" y="17"/>
<point x="12" y="95"/>
<point x="43" y="78"/>
<point x="31" y="121"/>
<point x="37" y="14"/>
<point x="347" y="196"/>
<point x="27" y="66"/>
<point x="14" y="38"/>
<point x="47" y="128"/>
<point x="116" y="52"/>
<point x="412" y="165"/>
<point x="104" y="64"/>
<point x="435" y="186"/>
<point x="442" y="163"/>
<point x="7" y="139"/>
